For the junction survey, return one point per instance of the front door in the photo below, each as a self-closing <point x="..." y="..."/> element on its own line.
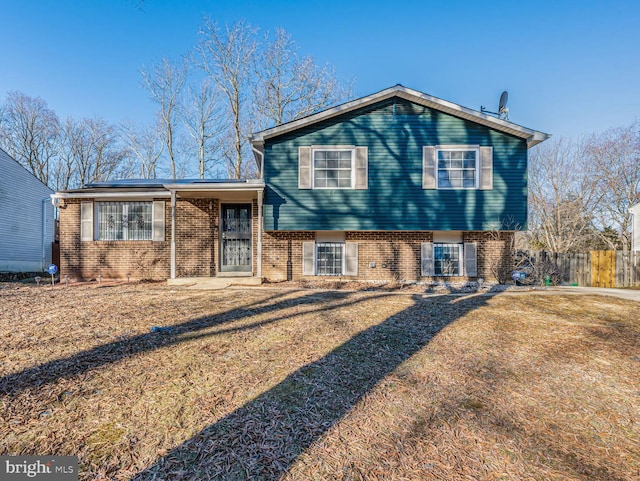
<point x="235" y="238"/>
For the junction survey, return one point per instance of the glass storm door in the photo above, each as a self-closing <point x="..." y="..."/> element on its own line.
<point x="235" y="238"/>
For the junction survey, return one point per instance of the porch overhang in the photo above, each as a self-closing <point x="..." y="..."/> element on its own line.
<point x="227" y="190"/>
<point x="215" y="189"/>
<point x="231" y="191"/>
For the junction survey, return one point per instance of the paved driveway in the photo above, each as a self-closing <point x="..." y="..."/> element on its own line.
<point x="630" y="294"/>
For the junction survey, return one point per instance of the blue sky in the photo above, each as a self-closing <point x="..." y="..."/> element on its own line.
<point x="571" y="68"/>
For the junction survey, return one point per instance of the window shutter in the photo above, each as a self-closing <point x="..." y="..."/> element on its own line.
<point x="471" y="259"/>
<point x="362" y="168"/>
<point x="158" y="220"/>
<point x="86" y="221"/>
<point x="486" y="168"/>
<point x="308" y="258"/>
<point x="428" y="167"/>
<point x="426" y="264"/>
<point x="304" y="167"/>
<point x="351" y="259"/>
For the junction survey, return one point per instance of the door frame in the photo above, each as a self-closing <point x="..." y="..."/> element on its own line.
<point x="222" y="270"/>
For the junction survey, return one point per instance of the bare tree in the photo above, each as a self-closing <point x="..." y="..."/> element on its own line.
<point x="64" y="174"/>
<point x="202" y="119"/>
<point x="226" y="56"/>
<point x="615" y="156"/>
<point x="289" y="87"/>
<point x="165" y="83"/>
<point x="29" y="132"/>
<point x="145" y="145"/>
<point x="563" y="194"/>
<point x="92" y="150"/>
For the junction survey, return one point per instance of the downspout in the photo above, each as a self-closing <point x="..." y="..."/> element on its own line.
<point x="173" y="234"/>
<point x="43" y="253"/>
<point x="261" y="154"/>
<point x="260" y="201"/>
<point x="260" y="195"/>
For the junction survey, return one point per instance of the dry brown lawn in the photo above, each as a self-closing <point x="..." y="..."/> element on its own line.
<point x="275" y="384"/>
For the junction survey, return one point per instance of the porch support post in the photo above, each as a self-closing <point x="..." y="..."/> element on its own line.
<point x="173" y="234"/>
<point x="260" y="194"/>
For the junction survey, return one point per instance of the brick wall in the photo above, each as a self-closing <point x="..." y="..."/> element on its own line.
<point x="197" y="245"/>
<point x="255" y="226"/>
<point x="496" y="253"/>
<point x="385" y="256"/>
<point x="382" y="256"/>
<point x="282" y="254"/>
<point x="196" y="237"/>
<point x="396" y="255"/>
<point x="110" y="259"/>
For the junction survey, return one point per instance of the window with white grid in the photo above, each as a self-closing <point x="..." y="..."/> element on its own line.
<point x="447" y="259"/>
<point x="329" y="258"/>
<point x="457" y="169"/>
<point x="332" y="169"/>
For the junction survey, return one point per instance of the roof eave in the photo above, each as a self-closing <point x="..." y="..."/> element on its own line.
<point x="537" y="138"/>
<point x="251" y="185"/>
<point x="533" y="137"/>
<point x="91" y="194"/>
<point x="136" y="192"/>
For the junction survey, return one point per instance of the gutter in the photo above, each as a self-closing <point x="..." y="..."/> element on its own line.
<point x="55" y="198"/>
<point x="43" y="232"/>
<point x="258" y="153"/>
<point x="172" y="260"/>
<point x="247" y="186"/>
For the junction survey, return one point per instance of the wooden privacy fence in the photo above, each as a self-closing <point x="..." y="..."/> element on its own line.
<point x="592" y="269"/>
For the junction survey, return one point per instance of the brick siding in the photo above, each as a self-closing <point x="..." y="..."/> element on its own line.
<point x="197" y="245"/>
<point x="496" y="254"/>
<point x="382" y="256"/>
<point x="109" y="259"/>
<point x="196" y="237"/>
<point x="385" y="256"/>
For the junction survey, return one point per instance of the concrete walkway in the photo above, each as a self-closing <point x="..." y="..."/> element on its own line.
<point x="629" y="294"/>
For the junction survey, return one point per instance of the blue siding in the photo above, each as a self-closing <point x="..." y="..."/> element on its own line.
<point x="395" y="132"/>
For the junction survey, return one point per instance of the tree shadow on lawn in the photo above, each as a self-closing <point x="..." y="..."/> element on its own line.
<point x="81" y="362"/>
<point x="262" y="439"/>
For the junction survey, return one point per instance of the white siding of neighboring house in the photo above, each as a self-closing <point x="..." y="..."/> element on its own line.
<point x="635" y="228"/>
<point x="26" y="219"/>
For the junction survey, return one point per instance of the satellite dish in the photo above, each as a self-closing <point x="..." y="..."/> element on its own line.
<point x="503" y="111"/>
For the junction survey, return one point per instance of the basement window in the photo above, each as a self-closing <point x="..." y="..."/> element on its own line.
<point x="447" y="259"/>
<point x="329" y="258"/>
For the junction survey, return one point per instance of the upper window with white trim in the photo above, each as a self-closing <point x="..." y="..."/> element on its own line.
<point x="457" y="169"/>
<point x="332" y="169"/>
<point x="124" y="220"/>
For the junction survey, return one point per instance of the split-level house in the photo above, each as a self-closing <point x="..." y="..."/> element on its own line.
<point x="397" y="185"/>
